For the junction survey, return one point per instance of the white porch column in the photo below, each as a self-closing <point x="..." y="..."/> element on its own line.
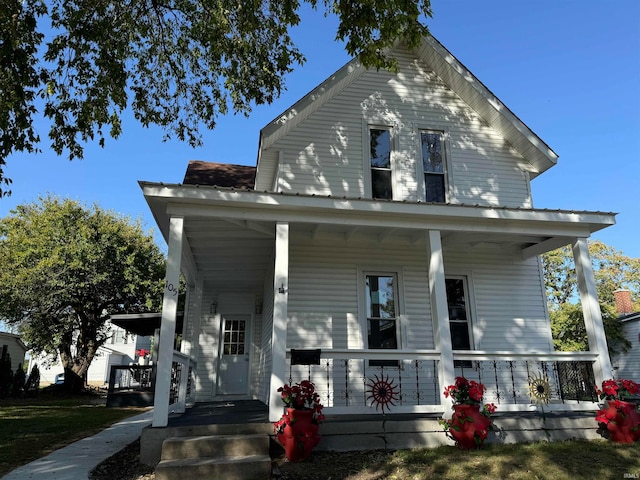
<point x="168" y="325"/>
<point x="440" y="316"/>
<point x="193" y="315"/>
<point x="279" y="333"/>
<point x="591" y="310"/>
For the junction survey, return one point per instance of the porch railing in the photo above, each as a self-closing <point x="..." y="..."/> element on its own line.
<point x="566" y="379"/>
<point x="345" y="379"/>
<point x="180" y="389"/>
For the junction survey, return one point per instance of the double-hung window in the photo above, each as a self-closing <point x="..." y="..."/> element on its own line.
<point x="433" y="165"/>
<point x="380" y="162"/>
<point x="382" y="314"/>
<point x="459" y="316"/>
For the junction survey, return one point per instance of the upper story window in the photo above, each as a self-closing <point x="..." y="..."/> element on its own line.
<point x="380" y="161"/>
<point x="119" y="335"/>
<point x="433" y="165"/>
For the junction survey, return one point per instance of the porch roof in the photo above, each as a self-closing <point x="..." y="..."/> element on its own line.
<point x="143" y="324"/>
<point x="252" y="214"/>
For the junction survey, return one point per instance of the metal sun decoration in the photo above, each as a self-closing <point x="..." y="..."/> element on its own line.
<point x="382" y="392"/>
<point x="539" y="389"/>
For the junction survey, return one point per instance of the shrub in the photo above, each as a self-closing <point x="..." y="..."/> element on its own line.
<point x="19" y="378"/>
<point x="6" y="375"/>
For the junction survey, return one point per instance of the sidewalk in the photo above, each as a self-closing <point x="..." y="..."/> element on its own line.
<point x="75" y="461"/>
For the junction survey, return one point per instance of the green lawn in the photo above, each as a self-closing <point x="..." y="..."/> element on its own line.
<point x="571" y="460"/>
<point x="32" y="428"/>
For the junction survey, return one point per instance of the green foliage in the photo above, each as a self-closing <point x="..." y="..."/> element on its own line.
<point x="19" y="379"/>
<point x="33" y="382"/>
<point x="570" y="335"/>
<point x="64" y="269"/>
<point x="6" y="375"/>
<point x="612" y="270"/>
<point x="178" y="64"/>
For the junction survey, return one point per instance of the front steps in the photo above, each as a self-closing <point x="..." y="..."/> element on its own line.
<point x="232" y="457"/>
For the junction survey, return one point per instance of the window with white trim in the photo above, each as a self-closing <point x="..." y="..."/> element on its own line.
<point x="433" y="165"/>
<point x="380" y="144"/>
<point x="459" y="315"/>
<point x="381" y="298"/>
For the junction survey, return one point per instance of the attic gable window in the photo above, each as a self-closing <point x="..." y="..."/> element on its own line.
<point x="433" y="165"/>
<point x="380" y="161"/>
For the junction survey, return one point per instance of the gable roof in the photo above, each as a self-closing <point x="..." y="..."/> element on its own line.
<point x="453" y="73"/>
<point x="220" y="175"/>
<point x="16" y="338"/>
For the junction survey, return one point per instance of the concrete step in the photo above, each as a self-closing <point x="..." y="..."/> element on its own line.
<point x="254" y="467"/>
<point x="208" y="446"/>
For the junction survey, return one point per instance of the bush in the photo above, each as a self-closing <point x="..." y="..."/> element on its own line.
<point x="6" y="375"/>
<point x="33" y="382"/>
<point x="19" y="379"/>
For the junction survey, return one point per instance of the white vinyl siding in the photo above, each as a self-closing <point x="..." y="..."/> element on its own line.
<point x="629" y="363"/>
<point x="324" y="154"/>
<point x="323" y="292"/>
<point x="509" y="311"/>
<point x="507" y="301"/>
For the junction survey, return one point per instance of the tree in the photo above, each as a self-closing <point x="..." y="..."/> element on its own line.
<point x="65" y="268"/>
<point x="612" y="270"/>
<point x="6" y="375"/>
<point x="177" y="63"/>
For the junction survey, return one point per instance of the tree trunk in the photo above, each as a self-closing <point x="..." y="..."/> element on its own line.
<point x="73" y="383"/>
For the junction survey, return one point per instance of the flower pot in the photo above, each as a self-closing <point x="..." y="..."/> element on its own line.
<point x="300" y="435"/>
<point x="469" y="428"/>
<point x="624" y="421"/>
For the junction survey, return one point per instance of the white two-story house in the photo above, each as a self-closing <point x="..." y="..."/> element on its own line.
<point x="389" y="223"/>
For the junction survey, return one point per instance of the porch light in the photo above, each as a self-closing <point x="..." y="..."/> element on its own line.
<point x="282" y="289"/>
<point x="213" y="308"/>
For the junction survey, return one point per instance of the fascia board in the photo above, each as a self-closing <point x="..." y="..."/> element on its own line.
<point x="488" y="106"/>
<point x="251" y="205"/>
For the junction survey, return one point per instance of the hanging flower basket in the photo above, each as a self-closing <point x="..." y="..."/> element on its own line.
<point x="297" y="429"/>
<point x="470" y="424"/>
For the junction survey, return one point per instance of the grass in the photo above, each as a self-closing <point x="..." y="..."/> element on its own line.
<point x="32" y="428"/>
<point x="574" y="459"/>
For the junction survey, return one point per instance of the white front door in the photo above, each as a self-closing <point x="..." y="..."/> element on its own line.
<point x="233" y="367"/>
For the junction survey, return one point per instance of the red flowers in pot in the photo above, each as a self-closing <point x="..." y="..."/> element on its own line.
<point x="620" y="419"/>
<point x="470" y="424"/>
<point x="297" y="429"/>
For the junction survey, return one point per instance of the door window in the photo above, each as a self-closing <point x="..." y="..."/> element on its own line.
<point x="234" y="333"/>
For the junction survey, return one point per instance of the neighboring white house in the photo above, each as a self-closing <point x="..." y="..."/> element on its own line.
<point x="389" y="222"/>
<point x="627" y="365"/>
<point x="13" y="345"/>
<point x="120" y="349"/>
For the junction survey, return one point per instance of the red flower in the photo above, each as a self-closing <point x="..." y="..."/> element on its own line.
<point x="602" y="417"/>
<point x="610" y="387"/>
<point x="617" y="389"/>
<point x="302" y="396"/>
<point x="491" y="408"/>
<point x="630" y="386"/>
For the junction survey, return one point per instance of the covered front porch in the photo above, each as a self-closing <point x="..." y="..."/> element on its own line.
<point x="247" y="243"/>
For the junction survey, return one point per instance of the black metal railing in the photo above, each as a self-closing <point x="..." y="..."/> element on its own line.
<point x="346" y="379"/>
<point x="519" y="381"/>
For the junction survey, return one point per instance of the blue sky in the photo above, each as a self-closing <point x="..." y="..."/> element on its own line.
<point x="569" y="69"/>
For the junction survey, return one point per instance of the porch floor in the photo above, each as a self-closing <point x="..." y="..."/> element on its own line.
<point x="238" y="412"/>
<point x="226" y="412"/>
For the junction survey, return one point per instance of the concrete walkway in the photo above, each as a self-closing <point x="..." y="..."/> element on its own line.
<point x="75" y="461"/>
